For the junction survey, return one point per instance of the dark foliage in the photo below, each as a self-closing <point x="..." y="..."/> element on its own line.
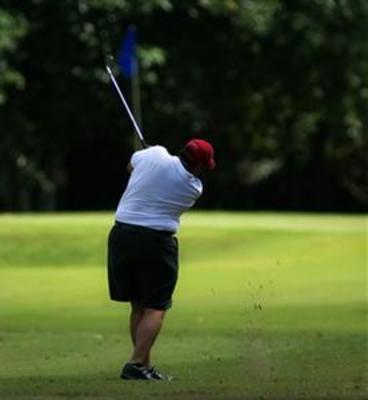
<point x="280" y="87"/>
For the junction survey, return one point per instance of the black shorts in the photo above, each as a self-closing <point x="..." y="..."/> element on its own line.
<point x="142" y="265"/>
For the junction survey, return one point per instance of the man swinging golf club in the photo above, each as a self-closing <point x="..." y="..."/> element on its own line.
<point x="142" y="248"/>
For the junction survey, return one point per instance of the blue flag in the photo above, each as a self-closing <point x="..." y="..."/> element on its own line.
<point x="127" y="57"/>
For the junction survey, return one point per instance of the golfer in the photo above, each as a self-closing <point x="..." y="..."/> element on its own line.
<point x="142" y="248"/>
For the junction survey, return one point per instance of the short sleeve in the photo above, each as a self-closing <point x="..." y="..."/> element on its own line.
<point x="146" y="154"/>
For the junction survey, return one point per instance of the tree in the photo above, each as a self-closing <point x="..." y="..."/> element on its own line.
<point x="279" y="87"/>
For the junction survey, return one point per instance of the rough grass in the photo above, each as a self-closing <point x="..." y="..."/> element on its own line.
<point x="268" y="306"/>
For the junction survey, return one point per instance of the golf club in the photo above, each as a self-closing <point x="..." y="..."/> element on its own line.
<point x="109" y="62"/>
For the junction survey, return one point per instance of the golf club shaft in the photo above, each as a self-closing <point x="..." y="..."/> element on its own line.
<point x="131" y="116"/>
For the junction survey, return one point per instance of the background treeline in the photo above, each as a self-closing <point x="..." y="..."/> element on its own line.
<point x="280" y="87"/>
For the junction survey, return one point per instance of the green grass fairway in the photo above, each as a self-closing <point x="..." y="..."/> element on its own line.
<point x="268" y="306"/>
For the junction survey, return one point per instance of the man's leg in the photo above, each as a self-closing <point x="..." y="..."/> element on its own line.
<point x="136" y="315"/>
<point x="145" y="330"/>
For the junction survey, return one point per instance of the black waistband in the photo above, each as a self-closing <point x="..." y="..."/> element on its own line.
<point x="139" y="228"/>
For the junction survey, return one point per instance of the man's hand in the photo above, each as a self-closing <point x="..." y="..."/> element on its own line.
<point x="144" y="144"/>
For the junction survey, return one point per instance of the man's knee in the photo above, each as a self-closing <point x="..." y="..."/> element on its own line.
<point x="146" y="311"/>
<point x="154" y="313"/>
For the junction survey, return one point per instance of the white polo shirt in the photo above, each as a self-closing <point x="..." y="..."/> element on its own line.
<point x="159" y="190"/>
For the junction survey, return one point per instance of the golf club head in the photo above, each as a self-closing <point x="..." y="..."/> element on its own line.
<point x="110" y="61"/>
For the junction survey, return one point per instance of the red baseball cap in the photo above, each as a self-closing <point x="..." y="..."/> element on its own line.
<point x="201" y="153"/>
